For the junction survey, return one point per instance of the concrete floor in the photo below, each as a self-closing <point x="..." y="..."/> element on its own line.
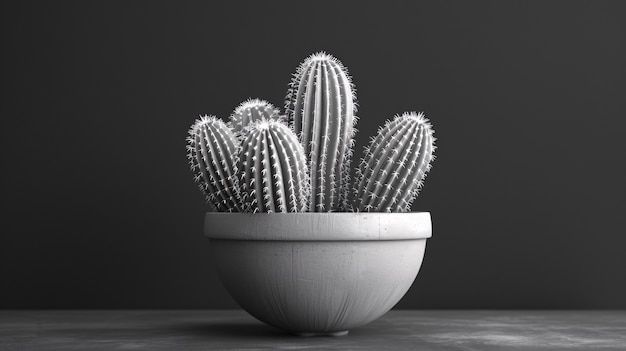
<point x="397" y="330"/>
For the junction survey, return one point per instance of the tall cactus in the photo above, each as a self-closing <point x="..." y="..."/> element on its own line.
<point x="395" y="164"/>
<point x="211" y="150"/>
<point x="273" y="174"/>
<point x="321" y="107"/>
<point x="253" y="110"/>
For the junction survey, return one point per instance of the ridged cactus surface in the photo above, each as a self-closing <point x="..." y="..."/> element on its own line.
<point x="273" y="173"/>
<point x="321" y="107"/>
<point x="395" y="164"/>
<point x="253" y="110"/>
<point x="211" y="150"/>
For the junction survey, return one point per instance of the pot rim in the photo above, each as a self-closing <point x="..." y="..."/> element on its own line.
<point x="318" y="226"/>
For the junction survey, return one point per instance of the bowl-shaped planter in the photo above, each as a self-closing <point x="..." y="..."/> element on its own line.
<point x="317" y="273"/>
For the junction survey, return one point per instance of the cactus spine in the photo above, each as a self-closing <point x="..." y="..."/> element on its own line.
<point x="321" y="107"/>
<point x="211" y="147"/>
<point x="395" y="164"/>
<point x="273" y="175"/>
<point x="250" y="111"/>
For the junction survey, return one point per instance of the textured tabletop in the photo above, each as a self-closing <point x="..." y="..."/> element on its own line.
<point x="398" y="330"/>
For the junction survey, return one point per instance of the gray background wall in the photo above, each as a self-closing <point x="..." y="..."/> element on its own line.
<point x="527" y="195"/>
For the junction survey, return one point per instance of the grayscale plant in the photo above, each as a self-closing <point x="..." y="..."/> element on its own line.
<point x="211" y="150"/>
<point x="321" y="107"/>
<point x="394" y="164"/>
<point x="273" y="172"/>
<point x="258" y="163"/>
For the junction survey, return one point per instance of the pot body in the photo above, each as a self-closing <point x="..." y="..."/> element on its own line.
<point x="304" y="276"/>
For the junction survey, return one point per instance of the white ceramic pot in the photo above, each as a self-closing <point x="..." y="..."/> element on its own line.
<point x="317" y="273"/>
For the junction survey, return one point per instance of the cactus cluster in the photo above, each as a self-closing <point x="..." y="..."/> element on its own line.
<point x="264" y="161"/>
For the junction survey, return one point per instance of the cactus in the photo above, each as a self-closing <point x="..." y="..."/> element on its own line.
<point x="395" y="164"/>
<point x="321" y="107"/>
<point x="211" y="150"/>
<point x="273" y="171"/>
<point x="252" y="110"/>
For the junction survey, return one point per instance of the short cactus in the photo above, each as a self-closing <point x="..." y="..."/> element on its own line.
<point x="395" y="164"/>
<point x="253" y="110"/>
<point x="211" y="150"/>
<point x="273" y="174"/>
<point x="321" y="107"/>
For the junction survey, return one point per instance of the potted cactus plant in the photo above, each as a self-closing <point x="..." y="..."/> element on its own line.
<point x="297" y="243"/>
